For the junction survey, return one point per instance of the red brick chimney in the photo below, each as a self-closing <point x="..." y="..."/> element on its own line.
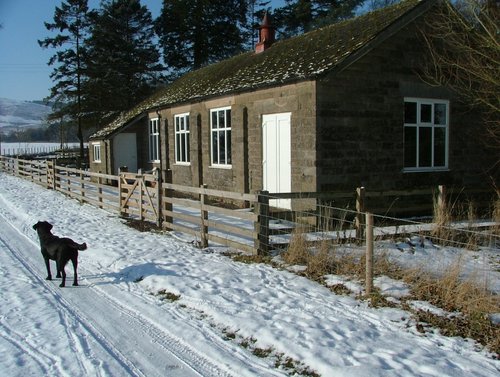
<point x="266" y="35"/>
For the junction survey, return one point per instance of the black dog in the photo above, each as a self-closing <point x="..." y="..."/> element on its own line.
<point x="59" y="249"/>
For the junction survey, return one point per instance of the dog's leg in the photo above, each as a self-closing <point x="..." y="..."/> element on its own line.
<point x="74" y="260"/>
<point x="47" y="265"/>
<point x="60" y="268"/>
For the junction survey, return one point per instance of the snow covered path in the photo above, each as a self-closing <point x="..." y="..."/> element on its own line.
<point x="96" y="329"/>
<point x="115" y="323"/>
<point x="104" y="335"/>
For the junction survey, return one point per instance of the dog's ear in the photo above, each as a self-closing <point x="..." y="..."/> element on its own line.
<point x="49" y="225"/>
<point x="36" y="225"/>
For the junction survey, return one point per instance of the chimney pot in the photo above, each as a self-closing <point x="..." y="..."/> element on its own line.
<point x="266" y="35"/>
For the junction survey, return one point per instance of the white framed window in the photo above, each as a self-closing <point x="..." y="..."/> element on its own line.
<point x="154" y="140"/>
<point x="220" y="128"/>
<point x="426" y="128"/>
<point x="182" y="150"/>
<point x="96" y="147"/>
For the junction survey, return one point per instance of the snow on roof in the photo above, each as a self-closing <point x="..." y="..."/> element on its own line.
<point x="300" y="58"/>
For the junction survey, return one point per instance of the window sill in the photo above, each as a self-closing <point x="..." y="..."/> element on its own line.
<point x="425" y="170"/>
<point x="182" y="164"/>
<point x="226" y="167"/>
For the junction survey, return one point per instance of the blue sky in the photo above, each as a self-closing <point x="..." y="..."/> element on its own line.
<point x="24" y="74"/>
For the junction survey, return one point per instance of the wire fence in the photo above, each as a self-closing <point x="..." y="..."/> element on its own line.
<point x="323" y="222"/>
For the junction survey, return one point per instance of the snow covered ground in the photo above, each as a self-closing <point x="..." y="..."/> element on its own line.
<point x="117" y="324"/>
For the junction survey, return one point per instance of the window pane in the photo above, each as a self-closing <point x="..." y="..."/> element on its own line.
<point x="425" y="147"/>
<point x="411" y="112"/>
<point x="177" y="123"/>
<point x="410" y="147"/>
<point x="440" y="147"/>
<point x="214" y="119"/>
<point x="177" y="147"/>
<point x="188" y="157"/>
<point x="221" y="119"/>
<point x="215" y="148"/>
<point x="183" y="147"/>
<point x="440" y="113"/>
<point x="187" y="123"/>
<point x="426" y="113"/>
<point x="222" y="147"/>
<point x="228" y="145"/>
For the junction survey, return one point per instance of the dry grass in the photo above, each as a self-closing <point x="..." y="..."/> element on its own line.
<point x="455" y="294"/>
<point x="327" y="257"/>
<point x="468" y="299"/>
<point x="444" y="214"/>
<point x="297" y="252"/>
<point x="450" y="291"/>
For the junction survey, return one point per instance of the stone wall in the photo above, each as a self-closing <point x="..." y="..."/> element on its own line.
<point x="245" y="173"/>
<point x="360" y="123"/>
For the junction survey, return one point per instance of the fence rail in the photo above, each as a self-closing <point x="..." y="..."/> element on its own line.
<point x="256" y="227"/>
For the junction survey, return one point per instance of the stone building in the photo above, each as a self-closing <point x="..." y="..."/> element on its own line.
<point x="334" y="109"/>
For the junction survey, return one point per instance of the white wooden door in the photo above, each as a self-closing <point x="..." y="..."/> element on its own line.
<point x="125" y="151"/>
<point x="277" y="156"/>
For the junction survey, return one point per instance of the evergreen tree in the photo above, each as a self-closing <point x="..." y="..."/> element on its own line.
<point x="71" y="20"/>
<point x="256" y="11"/>
<point x="194" y="33"/>
<point x="377" y="4"/>
<point x="300" y="16"/>
<point x="123" y="60"/>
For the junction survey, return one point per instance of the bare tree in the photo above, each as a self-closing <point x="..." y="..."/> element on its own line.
<point x="463" y="41"/>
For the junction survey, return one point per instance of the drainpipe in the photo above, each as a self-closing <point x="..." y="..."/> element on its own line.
<point x="159" y="140"/>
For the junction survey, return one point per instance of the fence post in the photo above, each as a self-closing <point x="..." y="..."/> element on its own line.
<point x="120" y="208"/>
<point x="441" y="201"/>
<point x="360" y="208"/>
<point x="261" y="243"/>
<point x="142" y="187"/>
<point x="159" y="196"/>
<point x="167" y="203"/>
<point x="204" y="218"/>
<point x="369" y="253"/>
<point x="99" y="190"/>
<point x="54" y="177"/>
<point x="82" y="187"/>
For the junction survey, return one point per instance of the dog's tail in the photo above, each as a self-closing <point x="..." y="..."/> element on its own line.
<point x="82" y="246"/>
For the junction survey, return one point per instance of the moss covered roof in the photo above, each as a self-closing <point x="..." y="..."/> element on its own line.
<point x="304" y="57"/>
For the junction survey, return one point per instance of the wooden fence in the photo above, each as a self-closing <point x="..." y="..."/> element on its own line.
<point x="144" y="197"/>
<point x="196" y="210"/>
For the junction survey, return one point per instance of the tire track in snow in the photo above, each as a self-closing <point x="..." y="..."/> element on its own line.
<point x="170" y="344"/>
<point x="67" y="310"/>
<point x="196" y="363"/>
<point x="182" y="350"/>
<point x="19" y="340"/>
<point x="23" y="346"/>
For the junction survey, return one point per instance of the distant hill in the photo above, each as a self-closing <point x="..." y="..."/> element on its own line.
<point x="16" y="115"/>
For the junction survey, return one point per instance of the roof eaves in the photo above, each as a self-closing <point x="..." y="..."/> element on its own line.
<point x="118" y="125"/>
